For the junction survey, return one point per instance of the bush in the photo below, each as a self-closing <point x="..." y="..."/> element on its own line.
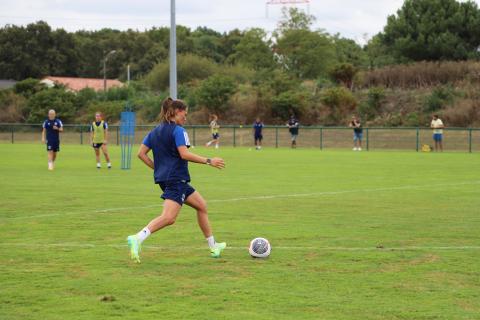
<point x="12" y="107"/>
<point x="285" y="103"/>
<point x="28" y="87"/>
<point x="215" y="92"/>
<point x="189" y="67"/>
<point x="340" y="101"/>
<point x="64" y="103"/>
<point x="439" y="99"/>
<point x="150" y="106"/>
<point x="422" y="74"/>
<point x="111" y="110"/>
<point x="343" y="73"/>
<point x="371" y="107"/>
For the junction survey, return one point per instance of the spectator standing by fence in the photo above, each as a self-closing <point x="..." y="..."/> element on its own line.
<point x="357" y="133"/>
<point x="293" y="126"/>
<point x="437" y="126"/>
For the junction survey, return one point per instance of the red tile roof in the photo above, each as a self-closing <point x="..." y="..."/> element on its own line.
<point x="77" y="84"/>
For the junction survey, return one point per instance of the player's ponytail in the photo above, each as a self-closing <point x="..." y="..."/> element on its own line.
<point x="168" y="109"/>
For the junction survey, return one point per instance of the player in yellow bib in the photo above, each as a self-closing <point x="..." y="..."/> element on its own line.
<point x="99" y="137"/>
<point x="214" y="127"/>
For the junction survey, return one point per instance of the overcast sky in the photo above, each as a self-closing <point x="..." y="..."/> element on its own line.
<point x="350" y="18"/>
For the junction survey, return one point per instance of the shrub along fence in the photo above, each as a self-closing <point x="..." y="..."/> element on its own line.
<point x="374" y="138"/>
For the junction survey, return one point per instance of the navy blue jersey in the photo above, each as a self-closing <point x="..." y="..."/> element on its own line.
<point x="53" y="136"/>
<point x="164" y="141"/>
<point x="258" y="126"/>
<point x="293" y="125"/>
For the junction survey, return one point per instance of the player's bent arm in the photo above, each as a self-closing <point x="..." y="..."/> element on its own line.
<point x="192" y="157"/>
<point x="143" y="155"/>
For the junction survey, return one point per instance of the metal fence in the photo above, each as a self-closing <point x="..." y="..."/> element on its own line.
<point x="374" y="138"/>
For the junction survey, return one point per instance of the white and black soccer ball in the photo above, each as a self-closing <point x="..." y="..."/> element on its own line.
<point x="259" y="248"/>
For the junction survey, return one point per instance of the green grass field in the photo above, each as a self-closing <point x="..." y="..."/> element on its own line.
<point x="372" y="235"/>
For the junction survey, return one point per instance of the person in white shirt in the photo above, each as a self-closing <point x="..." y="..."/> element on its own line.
<point x="437" y="126"/>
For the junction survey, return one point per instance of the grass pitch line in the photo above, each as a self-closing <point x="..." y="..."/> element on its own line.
<point x="195" y="248"/>
<point x="267" y="197"/>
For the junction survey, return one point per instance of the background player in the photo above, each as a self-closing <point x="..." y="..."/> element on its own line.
<point x="257" y="133"/>
<point x="99" y="138"/>
<point x="169" y="142"/>
<point x="293" y="126"/>
<point x="51" y="136"/>
<point x="214" y="127"/>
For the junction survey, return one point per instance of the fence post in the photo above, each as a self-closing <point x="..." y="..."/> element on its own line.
<point x="470" y="140"/>
<point x="321" y="138"/>
<point x="418" y="139"/>
<point x="13" y="130"/>
<point x="368" y="145"/>
<point x="276" y="137"/>
<point x="81" y="134"/>
<point x="118" y="129"/>
<point x="194" y="137"/>
<point x="234" y="139"/>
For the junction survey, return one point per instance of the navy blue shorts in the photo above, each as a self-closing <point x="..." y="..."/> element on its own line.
<point x="53" y="146"/>
<point x="177" y="191"/>
<point x="97" y="145"/>
<point x="215" y="136"/>
<point x="437" y="137"/>
<point x="258" y="137"/>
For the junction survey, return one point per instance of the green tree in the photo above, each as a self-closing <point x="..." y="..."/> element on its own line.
<point x="215" y="92"/>
<point x="433" y="30"/>
<point x="254" y="50"/>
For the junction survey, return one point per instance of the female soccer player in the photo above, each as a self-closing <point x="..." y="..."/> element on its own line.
<point x="257" y="133"/>
<point x="51" y="136"/>
<point x="98" y="139"/>
<point x="215" y="134"/>
<point x="169" y="142"/>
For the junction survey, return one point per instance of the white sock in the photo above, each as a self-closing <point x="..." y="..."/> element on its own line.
<point x="211" y="242"/>
<point x="109" y="164"/>
<point x="142" y="235"/>
<point x="216" y="146"/>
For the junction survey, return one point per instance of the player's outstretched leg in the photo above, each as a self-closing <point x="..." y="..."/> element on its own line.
<point x="168" y="217"/>
<point x="196" y="201"/>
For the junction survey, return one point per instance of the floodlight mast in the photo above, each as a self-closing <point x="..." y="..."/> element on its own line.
<point x="173" y="52"/>
<point x="286" y="2"/>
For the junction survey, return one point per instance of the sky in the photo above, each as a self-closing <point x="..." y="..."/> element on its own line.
<point x="354" y="19"/>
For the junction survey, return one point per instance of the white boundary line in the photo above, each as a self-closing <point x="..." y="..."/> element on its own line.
<point x="267" y="197"/>
<point x="167" y="248"/>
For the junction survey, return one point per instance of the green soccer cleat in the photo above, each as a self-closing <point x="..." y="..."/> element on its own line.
<point x="217" y="251"/>
<point x="135" y="248"/>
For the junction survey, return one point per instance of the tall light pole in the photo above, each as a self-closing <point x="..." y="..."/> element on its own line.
<point x="105" y="69"/>
<point x="173" y="52"/>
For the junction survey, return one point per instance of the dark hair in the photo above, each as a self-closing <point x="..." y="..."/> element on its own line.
<point x="168" y="109"/>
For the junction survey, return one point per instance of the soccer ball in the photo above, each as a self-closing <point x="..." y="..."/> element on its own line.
<point x="259" y="248"/>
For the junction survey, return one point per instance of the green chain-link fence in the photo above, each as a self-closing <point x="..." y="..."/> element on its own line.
<point x="374" y="138"/>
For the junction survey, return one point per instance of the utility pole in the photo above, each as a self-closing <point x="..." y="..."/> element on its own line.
<point x="173" y="51"/>
<point x="105" y="58"/>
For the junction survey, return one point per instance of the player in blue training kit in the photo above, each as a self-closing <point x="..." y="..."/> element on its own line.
<point x="51" y="136"/>
<point x="169" y="143"/>
<point x="257" y="133"/>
